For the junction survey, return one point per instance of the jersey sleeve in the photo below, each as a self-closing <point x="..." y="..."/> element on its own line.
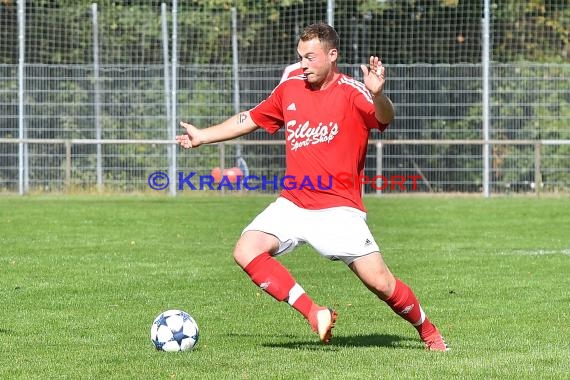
<point x="365" y="106"/>
<point x="269" y="113"/>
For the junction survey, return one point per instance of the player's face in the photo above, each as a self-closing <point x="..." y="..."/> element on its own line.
<point x="316" y="62"/>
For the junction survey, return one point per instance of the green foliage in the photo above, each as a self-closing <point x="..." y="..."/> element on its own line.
<point x="130" y="34"/>
<point x="130" y="31"/>
<point x="531" y="30"/>
<point x="533" y="109"/>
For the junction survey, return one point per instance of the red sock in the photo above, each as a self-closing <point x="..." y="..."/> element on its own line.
<point x="405" y="304"/>
<point x="275" y="280"/>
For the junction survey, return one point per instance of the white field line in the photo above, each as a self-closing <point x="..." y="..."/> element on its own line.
<point x="537" y="252"/>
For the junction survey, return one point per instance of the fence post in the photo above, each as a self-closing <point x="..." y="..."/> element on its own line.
<point x="170" y="125"/>
<point x="379" y="168"/>
<point x="97" y="97"/>
<point x="485" y="63"/>
<point x="174" y="91"/>
<point x="23" y="166"/>
<point x="222" y="158"/>
<point x="537" y="170"/>
<point x="67" y="165"/>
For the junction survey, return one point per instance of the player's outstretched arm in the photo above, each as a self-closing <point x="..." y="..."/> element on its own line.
<point x="374" y="80"/>
<point x="236" y="126"/>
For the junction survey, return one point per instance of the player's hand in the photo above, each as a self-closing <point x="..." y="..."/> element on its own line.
<point x="190" y="138"/>
<point x="374" y="76"/>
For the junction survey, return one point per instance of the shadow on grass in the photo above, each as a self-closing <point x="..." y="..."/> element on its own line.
<point x="371" y="340"/>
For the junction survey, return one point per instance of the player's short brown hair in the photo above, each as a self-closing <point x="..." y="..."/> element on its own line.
<point x="326" y="34"/>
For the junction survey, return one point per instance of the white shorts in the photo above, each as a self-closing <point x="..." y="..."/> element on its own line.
<point x="337" y="233"/>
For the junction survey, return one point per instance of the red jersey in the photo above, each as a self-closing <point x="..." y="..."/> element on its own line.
<point x="326" y="135"/>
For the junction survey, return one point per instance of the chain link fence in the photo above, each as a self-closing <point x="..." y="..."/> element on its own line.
<point x="88" y="103"/>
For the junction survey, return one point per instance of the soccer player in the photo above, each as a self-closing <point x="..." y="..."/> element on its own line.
<point x="327" y="118"/>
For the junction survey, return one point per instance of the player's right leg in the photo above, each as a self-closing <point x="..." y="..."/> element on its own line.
<point x="254" y="253"/>
<point x="252" y="244"/>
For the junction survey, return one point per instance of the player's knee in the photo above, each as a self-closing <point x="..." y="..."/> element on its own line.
<point x="383" y="286"/>
<point x="385" y="291"/>
<point x="250" y="245"/>
<point x="242" y="256"/>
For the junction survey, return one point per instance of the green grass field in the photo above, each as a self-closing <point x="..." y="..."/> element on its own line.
<point x="83" y="277"/>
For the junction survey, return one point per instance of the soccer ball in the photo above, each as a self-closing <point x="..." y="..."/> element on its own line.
<point x="174" y="330"/>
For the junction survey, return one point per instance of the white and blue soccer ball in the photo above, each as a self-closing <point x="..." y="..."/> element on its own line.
<point x="174" y="330"/>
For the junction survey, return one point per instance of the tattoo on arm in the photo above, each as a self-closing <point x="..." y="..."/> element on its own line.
<point x="241" y="118"/>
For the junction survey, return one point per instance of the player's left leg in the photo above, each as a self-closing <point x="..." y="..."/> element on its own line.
<point x="376" y="276"/>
